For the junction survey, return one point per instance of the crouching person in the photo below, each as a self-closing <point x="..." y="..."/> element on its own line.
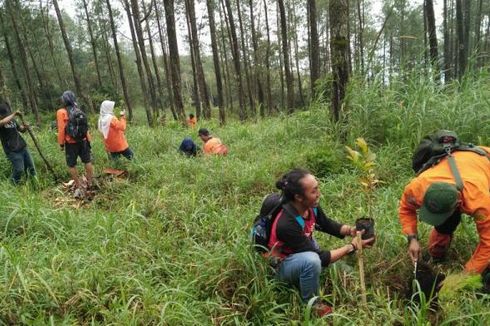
<point x="291" y="240"/>
<point x="113" y="130"/>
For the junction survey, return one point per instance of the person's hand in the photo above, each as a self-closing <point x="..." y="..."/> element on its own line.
<point x="414" y="250"/>
<point x="19" y="113"/>
<point x="122" y="113"/>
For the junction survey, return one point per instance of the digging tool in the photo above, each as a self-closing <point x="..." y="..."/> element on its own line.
<point x="360" y="262"/>
<point x="48" y="166"/>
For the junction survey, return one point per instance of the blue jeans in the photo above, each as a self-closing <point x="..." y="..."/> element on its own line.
<point x="302" y="270"/>
<point x="21" y="162"/>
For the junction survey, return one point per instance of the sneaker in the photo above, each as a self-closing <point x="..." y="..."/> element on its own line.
<point x="321" y="309"/>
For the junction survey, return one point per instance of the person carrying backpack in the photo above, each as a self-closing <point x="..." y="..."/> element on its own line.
<point x="291" y="239"/>
<point x="14" y="145"/>
<point x="112" y="130"/>
<point x="456" y="183"/>
<point x="188" y="147"/>
<point x="74" y="138"/>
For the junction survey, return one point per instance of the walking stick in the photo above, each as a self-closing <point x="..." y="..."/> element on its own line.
<point x="48" y="166"/>
<point x="360" y="261"/>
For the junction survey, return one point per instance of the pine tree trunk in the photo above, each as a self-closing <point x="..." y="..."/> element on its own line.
<point x="236" y="60"/>
<point x="174" y="59"/>
<point x="447" y="45"/>
<point x="119" y="62"/>
<point x="224" y="56"/>
<point x="257" y="65"/>
<point x="69" y="52"/>
<point x="360" y="16"/>
<point x="339" y="44"/>
<point x="314" y="46"/>
<point x="24" y="62"/>
<point x="13" y="67"/>
<point x="431" y="28"/>
<point x="217" y="72"/>
<point x="49" y="38"/>
<point x="296" y="56"/>
<point x="141" y="74"/>
<point x="201" y="81"/>
<point x="144" y="58"/>
<point x="246" y="63"/>
<point x="92" y="42"/>
<point x="160" y="97"/>
<point x="267" y="62"/>
<point x="477" y="41"/>
<point x="196" y="93"/>
<point x="281" y="61"/>
<point x="461" y="41"/>
<point x="285" y="52"/>
<point x="166" y="68"/>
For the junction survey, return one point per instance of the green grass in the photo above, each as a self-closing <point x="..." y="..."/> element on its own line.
<point x="170" y="244"/>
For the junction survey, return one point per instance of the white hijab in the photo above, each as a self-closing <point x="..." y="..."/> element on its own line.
<point x="106" y="115"/>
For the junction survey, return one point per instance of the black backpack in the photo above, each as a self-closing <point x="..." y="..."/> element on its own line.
<point x="262" y="226"/>
<point x="77" y="126"/>
<point x="434" y="147"/>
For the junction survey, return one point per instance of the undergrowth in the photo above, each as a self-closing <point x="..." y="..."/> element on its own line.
<point x="169" y="245"/>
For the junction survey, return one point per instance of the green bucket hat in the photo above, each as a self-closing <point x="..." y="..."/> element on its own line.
<point x="440" y="202"/>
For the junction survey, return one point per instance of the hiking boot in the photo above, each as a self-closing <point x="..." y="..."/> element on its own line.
<point x="321" y="309"/>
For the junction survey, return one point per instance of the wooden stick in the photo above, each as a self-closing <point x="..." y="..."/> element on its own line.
<point x="50" y="169"/>
<point x="360" y="261"/>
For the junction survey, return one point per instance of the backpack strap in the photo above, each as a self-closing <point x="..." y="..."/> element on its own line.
<point x="454" y="169"/>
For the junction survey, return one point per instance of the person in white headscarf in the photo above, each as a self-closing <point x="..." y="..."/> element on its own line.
<point x="112" y="130"/>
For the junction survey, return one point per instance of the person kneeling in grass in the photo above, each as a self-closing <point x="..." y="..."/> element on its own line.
<point x="113" y="130"/>
<point x="212" y="145"/>
<point x="291" y="240"/>
<point x="14" y="145"/>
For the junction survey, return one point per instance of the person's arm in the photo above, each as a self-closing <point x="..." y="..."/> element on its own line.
<point x="409" y="203"/>
<point x="7" y="119"/>
<point x="119" y="124"/>
<point x="338" y="253"/>
<point x="478" y="203"/>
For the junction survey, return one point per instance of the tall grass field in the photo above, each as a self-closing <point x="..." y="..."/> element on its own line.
<point x="169" y="244"/>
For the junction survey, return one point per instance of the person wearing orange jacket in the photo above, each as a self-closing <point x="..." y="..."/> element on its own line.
<point x="191" y="121"/>
<point x="212" y="145"/>
<point x="112" y="130"/>
<point x="73" y="148"/>
<point x="434" y="193"/>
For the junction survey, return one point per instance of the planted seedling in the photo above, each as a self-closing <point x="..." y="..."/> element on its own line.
<point x="363" y="161"/>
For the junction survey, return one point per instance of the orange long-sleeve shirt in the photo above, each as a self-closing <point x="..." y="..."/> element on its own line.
<point x="61" y="122"/>
<point x="475" y="199"/>
<point x="191" y="122"/>
<point x="116" y="140"/>
<point x="214" y="146"/>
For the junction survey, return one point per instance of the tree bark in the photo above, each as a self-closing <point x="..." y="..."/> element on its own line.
<point x="285" y="52"/>
<point x="174" y="59"/>
<point x="144" y="58"/>
<point x="245" y="59"/>
<point x="461" y="41"/>
<point x="69" y="52"/>
<point x="119" y="62"/>
<point x="13" y="67"/>
<point x="165" y="61"/>
<point x="477" y="41"/>
<point x="257" y="65"/>
<point x="314" y="46"/>
<point x="267" y="62"/>
<point x="296" y="55"/>
<point x="92" y="42"/>
<point x="339" y="44"/>
<point x="431" y="28"/>
<point x="201" y="81"/>
<point x="224" y="56"/>
<point x="25" y="64"/>
<point x="447" y="45"/>
<point x="236" y="60"/>
<point x="217" y="72"/>
<point x="360" y="15"/>
<point x="196" y="95"/>
<point x="139" y="66"/>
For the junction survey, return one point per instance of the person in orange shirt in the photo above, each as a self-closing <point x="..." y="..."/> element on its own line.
<point x="73" y="148"/>
<point x="191" y="121"/>
<point x="112" y="130"/>
<point x="434" y="193"/>
<point x="212" y="145"/>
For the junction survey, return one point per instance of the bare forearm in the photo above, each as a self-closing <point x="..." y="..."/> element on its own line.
<point x="338" y="253"/>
